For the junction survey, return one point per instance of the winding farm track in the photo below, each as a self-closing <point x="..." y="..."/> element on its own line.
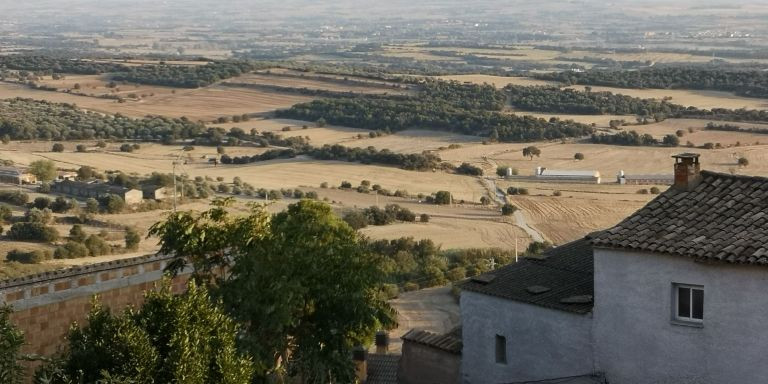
<point x="500" y="198"/>
<point x="430" y="309"/>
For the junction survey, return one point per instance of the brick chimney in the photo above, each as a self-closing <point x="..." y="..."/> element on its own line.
<point x="360" y="358"/>
<point x="687" y="171"/>
<point x="382" y="342"/>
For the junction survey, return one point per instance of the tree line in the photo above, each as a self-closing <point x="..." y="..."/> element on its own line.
<point x="184" y="76"/>
<point x="412" y="161"/>
<point x="27" y="119"/>
<point x="443" y="106"/>
<point x="48" y="65"/>
<point x="553" y="99"/>
<point x="750" y="83"/>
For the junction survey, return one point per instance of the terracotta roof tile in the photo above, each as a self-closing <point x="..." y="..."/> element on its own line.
<point x="722" y="219"/>
<point x="567" y="271"/>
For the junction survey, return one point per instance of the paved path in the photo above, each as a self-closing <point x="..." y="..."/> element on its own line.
<point x="431" y="309"/>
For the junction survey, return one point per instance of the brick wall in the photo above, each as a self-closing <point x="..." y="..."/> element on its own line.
<point x="45" y="305"/>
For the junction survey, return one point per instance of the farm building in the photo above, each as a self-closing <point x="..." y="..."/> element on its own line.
<point x="66" y="175"/>
<point x="586" y="177"/>
<point x="15" y="175"/>
<point x="623" y="178"/>
<point x="156" y="192"/>
<point x="85" y="190"/>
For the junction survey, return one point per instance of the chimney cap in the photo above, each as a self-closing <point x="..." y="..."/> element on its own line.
<point x="687" y="155"/>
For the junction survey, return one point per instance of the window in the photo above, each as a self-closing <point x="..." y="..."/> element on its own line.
<point x="501" y="349"/>
<point x="689" y="303"/>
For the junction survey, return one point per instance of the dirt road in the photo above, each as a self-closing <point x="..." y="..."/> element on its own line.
<point x="431" y="309"/>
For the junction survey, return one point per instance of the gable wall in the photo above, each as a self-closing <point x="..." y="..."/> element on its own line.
<point x="541" y="343"/>
<point x="636" y="341"/>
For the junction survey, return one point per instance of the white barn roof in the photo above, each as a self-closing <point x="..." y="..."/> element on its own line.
<point x="563" y="173"/>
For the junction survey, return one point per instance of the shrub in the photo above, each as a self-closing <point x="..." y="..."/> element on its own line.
<point x="513" y="191"/>
<point x="708" y="146"/>
<point x="132" y="239"/>
<point x="41" y="202"/>
<point x="298" y="194"/>
<point x="578" y="156"/>
<point x="14" y="197"/>
<point x="77" y="234"/>
<point x="311" y="195"/>
<point x="81" y="148"/>
<point x="456" y="274"/>
<point x="424" y="218"/>
<point x="345" y="185"/>
<point x="97" y="246"/>
<point x="112" y="203"/>
<point x="410" y="286"/>
<point x="324" y="184"/>
<point x="26" y="231"/>
<point x="508" y="209"/>
<point x="58" y="147"/>
<point x="655" y="190"/>
<point x="501" y="171"/>
<point x="62" y="205"/>
<point x="642" y="191"/>
<point x="42" y="216"/>
<point x="485" y="200"/>
<point x="443" y="198"/>
<point x="71" y="250"/>
<point x="356" y="219"/>
<point x="390" y="291"/>
<point x="469" y="169"/>
<point x="91" y="205"/>
<point x="5" y="214"/>
<point x="31" y="257"/>
<point x="557" y="193"/>
<point x="522" y="191"/>
<point x="743" y="162"/>
<point x="126" y="148"/>
<point x="680" y="133"/>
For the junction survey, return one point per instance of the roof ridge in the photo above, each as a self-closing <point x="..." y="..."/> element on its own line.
<point x="734" y="176"/>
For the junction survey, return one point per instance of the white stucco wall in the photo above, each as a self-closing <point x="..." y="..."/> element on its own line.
<point x="636" y="341"/>
<point x="541" y="343"/>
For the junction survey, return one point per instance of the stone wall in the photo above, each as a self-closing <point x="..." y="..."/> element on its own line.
<point x="45" y="305"/>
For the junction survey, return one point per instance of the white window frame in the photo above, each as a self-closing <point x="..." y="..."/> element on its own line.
<point x="676" y="298"/>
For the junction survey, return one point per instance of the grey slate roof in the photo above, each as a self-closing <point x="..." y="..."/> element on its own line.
<point x="563" y="279"/>
<point x="724" y="219"/>
<point x="382" y="369"/>
<point x="449" y="342"/>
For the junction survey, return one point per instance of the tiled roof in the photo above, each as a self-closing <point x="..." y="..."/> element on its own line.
<point x="382" y="369"/>
<point x="449" y="342"/>
<point x="725" y="218"/>
<point x="563" y="279"/>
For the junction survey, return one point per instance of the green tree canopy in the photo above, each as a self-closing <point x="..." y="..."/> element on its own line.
<point x="44" y="170"/>
<point x="11" y="340"/>
<point x="183" y="338"/>
<point x="302" y="281"/>
<point x="310" y="292"/>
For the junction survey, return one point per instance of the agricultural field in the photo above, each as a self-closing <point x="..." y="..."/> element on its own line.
<point x="313" y="82"/>
<point x="689" y="98"/>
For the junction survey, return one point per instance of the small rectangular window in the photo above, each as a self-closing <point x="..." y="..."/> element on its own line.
<point x="689" y="303"/>
<point x="501" y="349"/>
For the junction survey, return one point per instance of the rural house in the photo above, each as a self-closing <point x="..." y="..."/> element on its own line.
<point x="155" y="192"/>
<point x="675" y="293"/>
<point x="86" y="190"/>
<point x="13" y="175"/>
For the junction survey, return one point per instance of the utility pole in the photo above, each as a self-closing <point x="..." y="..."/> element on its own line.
<point x="174" y="186"/>
<point x="515" y="249"/>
